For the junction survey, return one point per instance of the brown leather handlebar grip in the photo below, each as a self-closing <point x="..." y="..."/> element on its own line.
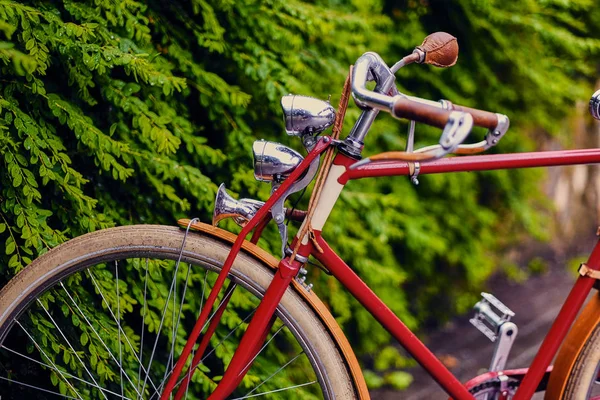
<point x="484" y="119"/>
<point x="405" y="108"/>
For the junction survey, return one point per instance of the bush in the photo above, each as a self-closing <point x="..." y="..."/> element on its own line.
<point x="117" y="113"/>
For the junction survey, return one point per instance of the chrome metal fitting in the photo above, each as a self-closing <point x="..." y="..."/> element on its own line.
<point x="274" y="161"/>
<point x="456" y="130"/>
<point x="493" y="136"/>
<point x="421" y="54"/>
<point x="306" y="115"/>
<point x="241" y="211"/>
<point x="302" y="259"/>
<point x="595" y="105"/>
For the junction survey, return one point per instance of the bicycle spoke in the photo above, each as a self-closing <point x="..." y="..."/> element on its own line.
<point x="38" y="388"/>
<point x="114" y="318"/>
<point x="98" y="336"/>
<point x="70" y="346"/>
<point x="215" y="319"/>
<point x="162" y="320"/>
<point x="276" y="390"/>
<point x="143" y="323"/>
<point x="225" y="299"/>
<point x="66" y="373"/>
<point x="176" y="326"/>
<point x="119" y="325"/>
<point x="274" y="373"/>
<point x="37" y="346"/>
<point x="226" y="337"/>
<point x="198" y="316"/>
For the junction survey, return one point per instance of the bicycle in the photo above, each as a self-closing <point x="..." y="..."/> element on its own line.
<point x="287" y="328"/>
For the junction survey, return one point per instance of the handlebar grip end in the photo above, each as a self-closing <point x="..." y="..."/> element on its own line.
<point x="440" y="48"/>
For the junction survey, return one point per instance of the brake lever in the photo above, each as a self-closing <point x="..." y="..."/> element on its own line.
<point x="457" y="129"/>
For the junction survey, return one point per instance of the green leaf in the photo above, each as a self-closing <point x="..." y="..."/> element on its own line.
<point x="10" y="248"/>
<point x="399" y="380"/>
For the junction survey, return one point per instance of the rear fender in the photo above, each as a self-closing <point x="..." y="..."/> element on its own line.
<point x="569" y="351"/>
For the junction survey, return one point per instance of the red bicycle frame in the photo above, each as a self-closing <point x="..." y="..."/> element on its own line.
<point x="321" y="250"/>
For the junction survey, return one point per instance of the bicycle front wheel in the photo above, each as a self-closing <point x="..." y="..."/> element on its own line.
<point x="106" y="315"/>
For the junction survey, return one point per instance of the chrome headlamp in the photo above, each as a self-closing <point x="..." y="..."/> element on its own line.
<point x="274" y="161"/>
<point x="306" y="115"/>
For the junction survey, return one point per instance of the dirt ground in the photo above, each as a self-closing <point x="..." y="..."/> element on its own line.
<point x="536" y="303"/>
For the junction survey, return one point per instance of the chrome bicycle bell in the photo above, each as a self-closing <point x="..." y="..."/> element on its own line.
<point x="274" y="161"/>
<point x="306" y="115"/>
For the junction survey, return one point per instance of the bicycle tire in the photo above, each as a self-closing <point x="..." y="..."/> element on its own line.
<point x="583" y="381"/>
<point x="145" y="241"/>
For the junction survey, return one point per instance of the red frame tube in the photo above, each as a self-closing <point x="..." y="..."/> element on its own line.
<point x="486" y="162"/>
<point x="559" y="329"/>
<point x="389" y="320"/>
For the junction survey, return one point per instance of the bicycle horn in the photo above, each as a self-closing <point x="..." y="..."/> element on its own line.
<point x="226" y="206"/>
<point x="439" y="49"/>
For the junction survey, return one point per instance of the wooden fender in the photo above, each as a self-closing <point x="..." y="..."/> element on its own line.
<point x="580" y="332"/>
<point x="310" y="297"/>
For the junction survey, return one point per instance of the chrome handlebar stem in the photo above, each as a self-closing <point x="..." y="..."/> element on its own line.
<point x="369" y="67"/>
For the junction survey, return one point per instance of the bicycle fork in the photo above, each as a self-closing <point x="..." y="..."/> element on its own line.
<point x="257" y="331"/>
<point x="251" y="342"/>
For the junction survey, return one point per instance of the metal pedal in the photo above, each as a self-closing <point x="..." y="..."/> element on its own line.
<point x="490" y="314"/>
<point x="492" y="318"/>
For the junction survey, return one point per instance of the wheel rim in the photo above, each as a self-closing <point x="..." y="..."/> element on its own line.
<point x="99" y="357"/>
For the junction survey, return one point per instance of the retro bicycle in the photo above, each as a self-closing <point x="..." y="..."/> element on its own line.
<point x="253" y="325"/>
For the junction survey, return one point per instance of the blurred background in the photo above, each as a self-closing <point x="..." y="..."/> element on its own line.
<point x="116" y="113"/>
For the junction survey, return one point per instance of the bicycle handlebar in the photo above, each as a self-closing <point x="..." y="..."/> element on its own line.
<point x="386" y="97"/>
<point x="418" y="111"/>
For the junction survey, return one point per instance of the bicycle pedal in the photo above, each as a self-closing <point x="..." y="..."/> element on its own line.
<point x="490" y="314"/>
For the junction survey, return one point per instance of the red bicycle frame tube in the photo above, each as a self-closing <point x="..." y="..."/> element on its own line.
<point x="319" y="148"/>
<point x="388" y="320"/>
<point x="343" y="273"/>
<point x="559" y="329"/>
<point x="476" y="163"/>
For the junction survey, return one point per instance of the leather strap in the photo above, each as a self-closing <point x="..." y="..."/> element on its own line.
<point x="327" y="161"/>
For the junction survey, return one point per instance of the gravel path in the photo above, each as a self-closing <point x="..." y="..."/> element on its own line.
<point x="536" y="304"/>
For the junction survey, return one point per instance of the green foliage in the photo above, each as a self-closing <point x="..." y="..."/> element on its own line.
<point x="126" y="112"/>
